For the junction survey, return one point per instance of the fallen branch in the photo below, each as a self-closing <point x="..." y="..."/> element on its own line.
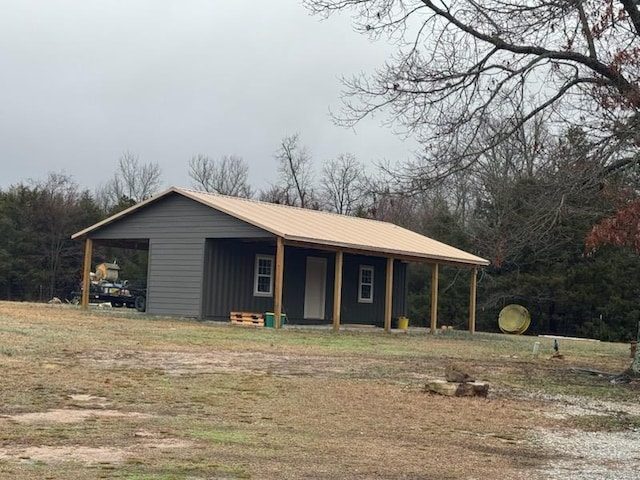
<point x="623" y="377"/>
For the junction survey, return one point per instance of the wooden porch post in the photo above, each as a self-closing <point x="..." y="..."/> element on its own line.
<point x="434" y="298"/>
<point x="472" y="299"/>
<point x="86" y="273"/>
<point x="388" y="298"/>
<point x="277" y="287"/>
<point x="337" y="291"/>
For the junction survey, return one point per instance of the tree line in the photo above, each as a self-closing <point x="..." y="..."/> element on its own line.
<point x="528" y="117"/>
<point x="534" y="206"/>
<point x="475" y="82"/>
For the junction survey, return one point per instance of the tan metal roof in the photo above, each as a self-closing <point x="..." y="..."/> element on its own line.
<point x="321" y="228"/>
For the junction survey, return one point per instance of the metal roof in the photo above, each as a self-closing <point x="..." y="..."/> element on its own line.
<point x="321" y="229"/>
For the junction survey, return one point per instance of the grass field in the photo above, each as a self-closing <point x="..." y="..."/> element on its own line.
<point x="116" y="394"/>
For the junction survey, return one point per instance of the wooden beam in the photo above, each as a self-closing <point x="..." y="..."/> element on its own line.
<point x="86" y="272"/>
<point x="388" y="298"/>
<point x="277" y="287"/>
<point x="337" y="290"/>
<point x="472" y="299"/>
<point x="434" y="298"/>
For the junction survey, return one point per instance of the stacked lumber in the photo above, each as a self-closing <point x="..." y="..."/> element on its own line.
<point x="247" y="319"/>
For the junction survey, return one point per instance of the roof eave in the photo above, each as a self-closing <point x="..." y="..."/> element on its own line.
<point x="331" y="245"/>
<point x="123" y="213"/>
<point x="403" y="255"/>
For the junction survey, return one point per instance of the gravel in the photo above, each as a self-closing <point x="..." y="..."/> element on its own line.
<point x="591" y="455"/>
<point x="583" y="455"/>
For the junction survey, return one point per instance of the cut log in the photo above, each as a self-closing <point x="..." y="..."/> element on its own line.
<point x="458" y="389"/>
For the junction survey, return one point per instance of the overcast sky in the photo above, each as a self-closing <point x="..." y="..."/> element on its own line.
<point x="83" y="81"/>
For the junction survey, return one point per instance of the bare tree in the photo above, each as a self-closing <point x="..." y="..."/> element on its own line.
<point x="139" y="181"/>
<point x="342" y="184"/>
<point x="460" y="63"/>
<point x="132" y="181"/>
<point x="296" y="172"/>
<point x="276" y="194"/>
<point x="518" y="192"/>
<point x="227" y="175"/>
<point x="59" y="208"/>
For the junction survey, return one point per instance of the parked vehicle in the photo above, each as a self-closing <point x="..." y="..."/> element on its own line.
<point x="104" y="287"/>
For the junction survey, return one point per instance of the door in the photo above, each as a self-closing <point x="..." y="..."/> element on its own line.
<point x="315" y="287"/>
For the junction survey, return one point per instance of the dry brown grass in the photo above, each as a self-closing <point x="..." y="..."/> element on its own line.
<point x="114" y="394"/>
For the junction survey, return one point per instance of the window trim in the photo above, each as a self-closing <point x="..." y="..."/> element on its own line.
<point x="362" y="269"/>
<point x="257" y="276"/>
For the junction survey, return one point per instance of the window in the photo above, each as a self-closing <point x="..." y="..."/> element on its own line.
<point x="365" y="284"/>
<point x="263" y="282"/>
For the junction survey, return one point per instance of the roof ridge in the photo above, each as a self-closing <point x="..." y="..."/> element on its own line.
<point x="293" y="207"/>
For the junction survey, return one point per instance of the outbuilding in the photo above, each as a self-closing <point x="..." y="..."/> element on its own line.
<point x="210" y="255"/>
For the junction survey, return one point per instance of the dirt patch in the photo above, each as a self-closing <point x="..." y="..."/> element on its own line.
<point x="86" y="455"/>
<point x="75" y="453"/>
<point x="81" y="453"/>
<point x="183" y="363"/>
<point x="69" y="415"/>
<point x="155" y="398"/>
<point x="85" y="398"/>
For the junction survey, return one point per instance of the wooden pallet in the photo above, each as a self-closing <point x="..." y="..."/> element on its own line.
<point x="247" y="318"/>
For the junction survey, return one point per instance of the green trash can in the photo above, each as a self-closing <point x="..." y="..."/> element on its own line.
<point x="269" y="319"/>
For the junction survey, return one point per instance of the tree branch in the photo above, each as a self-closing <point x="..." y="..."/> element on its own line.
<point x="631" y="7"/>
<point x="615" y="78"/>
<point x="586" y="31"/>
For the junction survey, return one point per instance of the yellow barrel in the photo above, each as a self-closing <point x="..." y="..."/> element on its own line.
<point x="514" y="319"/>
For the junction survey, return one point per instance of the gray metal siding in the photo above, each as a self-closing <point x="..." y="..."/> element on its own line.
<point x="176" y="217"/>
<point x="400" y="279"/>
<point x="353" y="311"/>
<point x="229" y="274"/>
<point x="174" y="282"/>
<point x="177" y="228"/>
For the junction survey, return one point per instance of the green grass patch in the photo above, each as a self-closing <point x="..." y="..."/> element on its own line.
<point x="220" y="436"/>
<point x="8" y="351"/>
<point x="13" y="330"/>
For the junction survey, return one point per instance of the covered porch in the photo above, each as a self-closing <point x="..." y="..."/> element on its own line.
<point x="336" y="308"/>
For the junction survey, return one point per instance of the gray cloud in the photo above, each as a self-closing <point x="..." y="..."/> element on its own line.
<point x="84" y="81"/>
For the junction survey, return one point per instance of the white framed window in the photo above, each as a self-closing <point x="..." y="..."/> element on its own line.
<point x="263" y="278"/>
<point x="365" y="284"/>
